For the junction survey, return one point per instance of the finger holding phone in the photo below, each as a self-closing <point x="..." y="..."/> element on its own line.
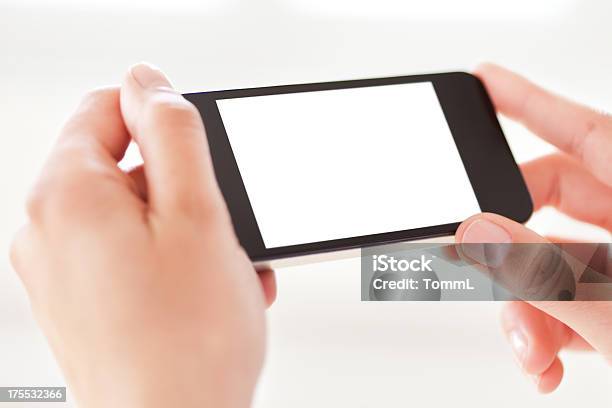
<point x="137" y="278"/>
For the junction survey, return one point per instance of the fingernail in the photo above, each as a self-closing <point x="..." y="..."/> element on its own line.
<point x="536" y="379"/>
<point x="482" y="230"/>
<point x="486" y="242"/>
<point x="518" y="341"/>
<point x="149" y="77"/>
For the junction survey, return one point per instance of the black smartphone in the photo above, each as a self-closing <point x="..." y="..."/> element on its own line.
<point x="323" y="167"/>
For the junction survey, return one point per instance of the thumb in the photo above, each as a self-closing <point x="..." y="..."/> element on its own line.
<point x="517" y="258"/>
<point x="170" y="135"/>
<point x="536" y="270"/>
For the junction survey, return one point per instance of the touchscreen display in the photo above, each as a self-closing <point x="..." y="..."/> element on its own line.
<point x="333" y="164"/>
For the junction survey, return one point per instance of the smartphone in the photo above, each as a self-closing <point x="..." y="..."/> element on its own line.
<point x="324" y="167"/>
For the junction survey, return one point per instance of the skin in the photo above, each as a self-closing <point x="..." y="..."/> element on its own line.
<point x="578" y="182"/>
<point x="142" y="288"/>
<point x="138" y="282"/>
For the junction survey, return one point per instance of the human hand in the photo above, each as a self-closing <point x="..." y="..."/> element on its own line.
<point x="139" y="283"/>
<point x="578" y="182"/>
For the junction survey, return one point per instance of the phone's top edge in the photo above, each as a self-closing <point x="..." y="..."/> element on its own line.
<point x="356" y="81"/>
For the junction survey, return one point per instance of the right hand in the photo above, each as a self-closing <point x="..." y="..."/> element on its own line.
<point x="578" y="182"/>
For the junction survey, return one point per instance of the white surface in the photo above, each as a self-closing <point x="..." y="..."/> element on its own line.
<point x="439" y="9"/>
<point x="327" y="165"/>
<point x="327" y="349"/>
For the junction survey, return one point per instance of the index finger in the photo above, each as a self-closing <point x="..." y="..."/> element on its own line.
<point x="97" y="123"/>
<point x="84" y="159"/>
<point x="573" y="128"/>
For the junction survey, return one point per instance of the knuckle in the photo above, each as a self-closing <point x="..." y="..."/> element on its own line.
<point x="61" y="197"/>
<point x="17" y="248"/>
<point x="53" y="203"/>
<point x="44" y="196"/>
<point x="15" y="252"/>
<point x="35" y="202"/>
<point x="583" y="145"/>
<point x="72" y="197"/>
<point x="91" y="101"/>
<point x="100" y="94"/>
<point x="71" y="186"/>
<point x="170" y="109"/>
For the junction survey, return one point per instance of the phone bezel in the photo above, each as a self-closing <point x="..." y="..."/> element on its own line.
<point x="495" y="177"/>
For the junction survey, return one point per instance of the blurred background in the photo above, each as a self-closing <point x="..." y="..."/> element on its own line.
<point x="326" y="348"/>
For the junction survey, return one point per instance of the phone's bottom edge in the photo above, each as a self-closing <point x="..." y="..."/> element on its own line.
<point x="332" y="255"/>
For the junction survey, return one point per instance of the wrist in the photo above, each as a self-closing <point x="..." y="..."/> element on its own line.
<point x="169" y="381"/>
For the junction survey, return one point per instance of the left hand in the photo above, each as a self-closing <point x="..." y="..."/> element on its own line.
<point x="139" y="282"/>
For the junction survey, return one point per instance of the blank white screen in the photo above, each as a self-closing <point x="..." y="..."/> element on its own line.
<point x="343" y="163"/>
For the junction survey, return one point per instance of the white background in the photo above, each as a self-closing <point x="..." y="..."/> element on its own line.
<point x="326" y="348"/>
<point x="338" y="164"/>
